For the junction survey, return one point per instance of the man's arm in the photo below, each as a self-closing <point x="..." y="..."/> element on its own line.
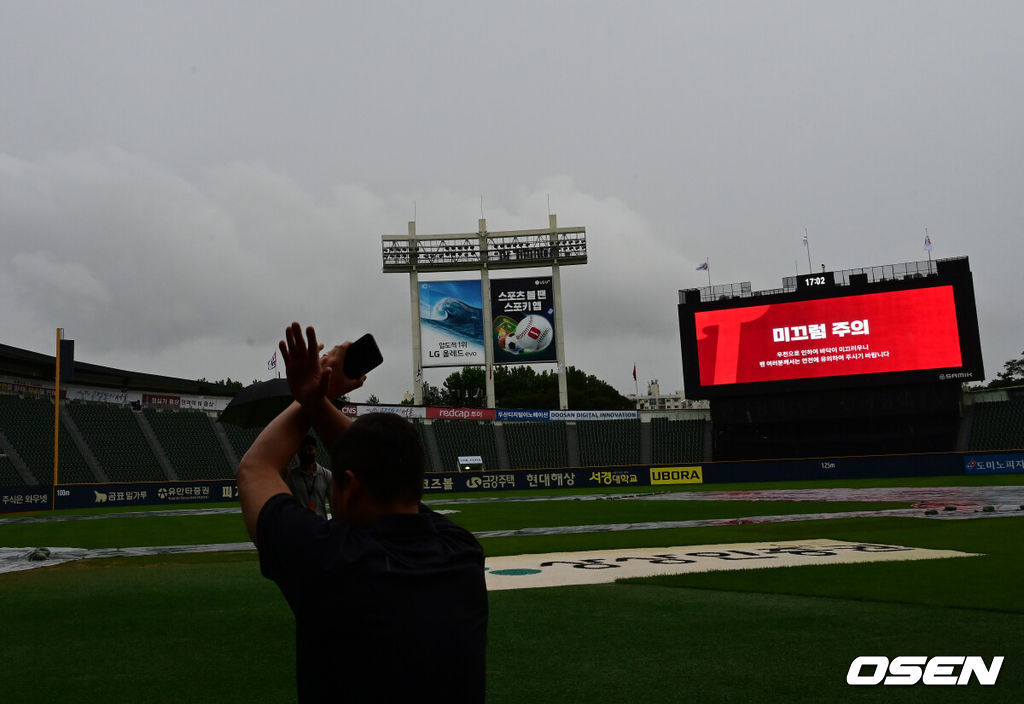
<point x="259" y="472"/>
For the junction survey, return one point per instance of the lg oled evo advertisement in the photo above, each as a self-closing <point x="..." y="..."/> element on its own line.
<point x="523" y="315"/>
<point x="451" y="323"/>
<point x="886" y="332"/>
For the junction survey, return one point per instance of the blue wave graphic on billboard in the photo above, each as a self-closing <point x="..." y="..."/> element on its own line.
<point x="454" y="317"/>
<point x="451" y="323"/>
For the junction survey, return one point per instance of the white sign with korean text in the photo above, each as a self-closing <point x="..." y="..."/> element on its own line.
<point x="601" y="566"/>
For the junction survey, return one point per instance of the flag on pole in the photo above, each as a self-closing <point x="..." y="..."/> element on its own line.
<point x="704" y="266"/>
<point x="272" y="363"/>
<point x="634" y="372"/>
<point x="805" y="240"/>
<point x="927" y="243"/>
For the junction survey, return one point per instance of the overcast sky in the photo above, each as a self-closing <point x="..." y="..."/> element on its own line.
<point x="180" y="180"/>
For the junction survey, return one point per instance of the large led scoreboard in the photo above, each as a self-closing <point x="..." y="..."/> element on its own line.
<point x="828" y="335"/>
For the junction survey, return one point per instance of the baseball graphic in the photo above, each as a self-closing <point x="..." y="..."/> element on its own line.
<point x="533" y="334"/>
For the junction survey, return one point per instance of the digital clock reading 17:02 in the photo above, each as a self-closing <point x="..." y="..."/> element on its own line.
<point x="825" y="279"/>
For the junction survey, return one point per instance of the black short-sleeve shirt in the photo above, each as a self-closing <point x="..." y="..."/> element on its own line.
<point x="390" y="610"/>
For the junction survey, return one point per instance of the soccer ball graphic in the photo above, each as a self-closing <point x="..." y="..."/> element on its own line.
<point x="533" y="334"/>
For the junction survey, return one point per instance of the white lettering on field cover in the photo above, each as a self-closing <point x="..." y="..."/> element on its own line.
<point x="599" y="566"/>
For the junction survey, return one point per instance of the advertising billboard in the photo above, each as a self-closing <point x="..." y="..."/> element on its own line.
<point x="923" y="330"/>
<point x="451" y="323"/>
<point x="523" y="315"/>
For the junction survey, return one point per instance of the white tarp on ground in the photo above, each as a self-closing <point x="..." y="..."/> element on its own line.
<point x="566" y="568"/>
<point x="599" y="566"/>
<point x="16" y="559"/>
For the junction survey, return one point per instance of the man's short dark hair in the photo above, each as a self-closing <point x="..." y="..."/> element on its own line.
<point x="385" y="451"/>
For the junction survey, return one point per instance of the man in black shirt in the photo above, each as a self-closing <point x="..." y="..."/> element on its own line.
<point x="389" y="597"/>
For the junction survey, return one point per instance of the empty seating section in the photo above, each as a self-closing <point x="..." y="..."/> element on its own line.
<point x="9" y="475"/>
<point x="190" y="443"/>
<point x="609" y="442"/>
<point x="536" y="445"/>
<point x="676" y="440"/>
<point x="421" y="428"/>
<point x="191" y="446"/>
<point x="28" y="424"/>
<point x="117" y="442"/>
<point x="241" y="439"/>
<point x="998" y="426"/>
<point x="459" y="438"/>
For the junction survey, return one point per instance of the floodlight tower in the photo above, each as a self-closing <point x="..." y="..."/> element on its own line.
<point x="484" y="251"/>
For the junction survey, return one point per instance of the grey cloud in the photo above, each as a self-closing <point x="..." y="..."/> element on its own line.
<point x="179" y="181"/>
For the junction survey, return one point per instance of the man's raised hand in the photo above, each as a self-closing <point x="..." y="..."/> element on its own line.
<point x="307" y="379"/>
<point x="311" y="377"/>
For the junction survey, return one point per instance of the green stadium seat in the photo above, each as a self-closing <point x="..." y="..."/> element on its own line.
<point x="241" y="439"/>
<point x="9" y="475"/>
<point x="28" y="424"/>
<point x="458" y="438"/>
<point x="116" y="441"/>
<point x="676" y="440"/>
<point x="609" y="442"/>
<point x="189" y="441"/>
<point x="998" y="426"/>
<point x="536" y="445"/>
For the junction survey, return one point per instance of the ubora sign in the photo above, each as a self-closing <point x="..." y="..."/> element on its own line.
<point x="676" y="475"/>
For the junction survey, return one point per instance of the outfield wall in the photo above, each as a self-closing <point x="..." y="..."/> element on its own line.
<point x="172" y="495"/>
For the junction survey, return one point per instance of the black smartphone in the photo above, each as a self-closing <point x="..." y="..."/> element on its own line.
<point x="362" y="356"/>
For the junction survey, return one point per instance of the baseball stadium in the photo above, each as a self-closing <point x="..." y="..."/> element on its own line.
<point x="842" y="512"/>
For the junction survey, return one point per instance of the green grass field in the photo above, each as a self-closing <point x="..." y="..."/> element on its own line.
<point x="209" y="628"/>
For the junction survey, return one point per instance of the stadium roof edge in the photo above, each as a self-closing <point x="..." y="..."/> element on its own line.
<point x="879" y="272"/>
<point x="27" y="364"/>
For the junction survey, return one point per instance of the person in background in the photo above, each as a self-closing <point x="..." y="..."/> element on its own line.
<point x="309" y="481"/>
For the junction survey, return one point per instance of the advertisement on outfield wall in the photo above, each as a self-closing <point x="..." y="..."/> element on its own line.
<point x="593" y="415"/>
<point x="994" y="464"/>
<point x="523" y="414"/>
<point x="166" y="494"/>
<point x="404" y="411"/>
<point x="15" y="499"/>
<point x="523" y="320"/>
<point x="461" y="413"/>
<point x="451" y="323"/>
<point x="891" y="331"/>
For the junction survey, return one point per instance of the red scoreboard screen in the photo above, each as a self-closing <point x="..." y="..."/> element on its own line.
<point x="889" y="332"/>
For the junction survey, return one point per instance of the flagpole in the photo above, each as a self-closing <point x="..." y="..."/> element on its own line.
<point x="636" y="387"/>
<point x="807" y="243"/>
<point x="56" y="420"/>
<point x="707" y="267"/>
